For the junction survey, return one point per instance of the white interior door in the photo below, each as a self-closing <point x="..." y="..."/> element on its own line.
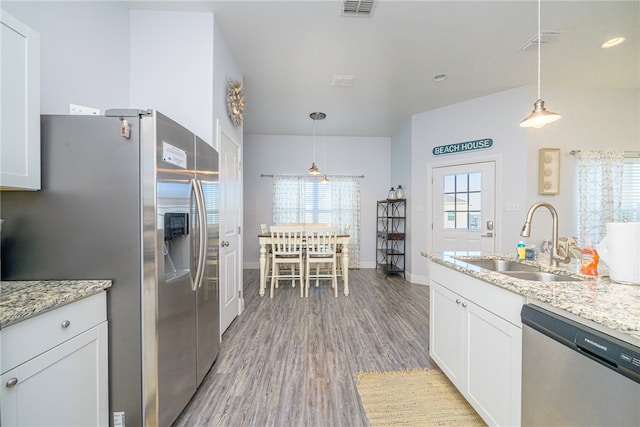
<point x="463" y="207"/>
<point x="231" y="301"/>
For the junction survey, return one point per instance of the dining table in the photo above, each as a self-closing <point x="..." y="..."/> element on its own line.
<point x="343" y="244"/>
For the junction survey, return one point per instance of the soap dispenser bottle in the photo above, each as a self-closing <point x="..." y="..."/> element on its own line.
<point x="589" y="260"/>
<point x="522" y="250"/>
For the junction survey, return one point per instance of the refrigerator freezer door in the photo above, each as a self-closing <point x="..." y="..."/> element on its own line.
<point x="207" y="292"/>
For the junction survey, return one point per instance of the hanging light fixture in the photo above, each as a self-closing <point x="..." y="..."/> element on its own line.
<point x="313" y="170"/>
<point x="324" y="179"/>
<point x="539" y="116"/>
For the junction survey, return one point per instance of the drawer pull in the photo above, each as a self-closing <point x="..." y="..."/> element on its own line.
<point x="65" y="324"/>
<point x="12" y="382"/>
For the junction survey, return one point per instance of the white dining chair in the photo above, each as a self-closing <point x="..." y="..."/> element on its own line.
<point x="287" y="250"/>
<point x="321" y="244"/>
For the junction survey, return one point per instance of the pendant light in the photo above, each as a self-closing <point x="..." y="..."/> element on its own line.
<point x="324" y="179"/>
<point x="539" y="116"/>
<point x="313" y="170"/>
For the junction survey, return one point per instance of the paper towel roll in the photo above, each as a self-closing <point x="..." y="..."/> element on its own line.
<point x="620" y="250"/>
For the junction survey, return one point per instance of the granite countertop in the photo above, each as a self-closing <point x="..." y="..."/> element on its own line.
<point x="20" y="300"/>
<point x="613" y="305"/>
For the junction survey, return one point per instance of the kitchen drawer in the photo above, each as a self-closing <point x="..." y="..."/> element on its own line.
<point x="27" y="339"/>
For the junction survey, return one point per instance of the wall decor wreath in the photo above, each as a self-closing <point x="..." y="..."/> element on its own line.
<point x="235" y="101"/>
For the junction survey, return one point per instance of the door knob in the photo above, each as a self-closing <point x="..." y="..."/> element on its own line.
<point x="224" y="243"/>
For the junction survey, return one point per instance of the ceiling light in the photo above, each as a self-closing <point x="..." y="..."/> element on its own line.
<point x="439" y="77"/>
<point x="324" y="179"/>
<point x="613" y="42"/>
<point x="539" y="116"/>
<point x="313" y="170"/>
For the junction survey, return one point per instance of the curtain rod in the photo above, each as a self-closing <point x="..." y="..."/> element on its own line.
<point x="265" y="175"/>
<point x="626" y="153"/>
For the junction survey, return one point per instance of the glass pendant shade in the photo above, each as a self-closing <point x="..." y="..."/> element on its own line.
<point x="539" y="116"/>
<point x="313" y="170"/>
<point x="324" y="179"/>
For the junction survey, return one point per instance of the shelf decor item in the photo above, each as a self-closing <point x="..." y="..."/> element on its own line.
<point x="392" y="194"/>
<point x="400" y="193"/>
<point x="549" y="171"/>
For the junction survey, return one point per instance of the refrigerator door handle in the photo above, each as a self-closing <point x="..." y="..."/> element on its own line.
<point x="202" y="233"/>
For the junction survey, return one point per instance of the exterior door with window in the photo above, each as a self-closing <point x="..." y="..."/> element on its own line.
<point x="463" y="207"/>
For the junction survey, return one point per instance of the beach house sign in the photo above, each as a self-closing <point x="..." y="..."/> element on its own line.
<point x="463" y="147"/>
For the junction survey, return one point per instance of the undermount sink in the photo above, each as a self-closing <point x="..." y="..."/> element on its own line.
<point x="501" y="265"/>
<point x="539" y="276"/>
<point x="519" y="271"/>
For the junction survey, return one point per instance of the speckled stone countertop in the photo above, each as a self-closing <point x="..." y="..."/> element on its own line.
<point x="613" y="305"/>
<point x="20" y="300"/>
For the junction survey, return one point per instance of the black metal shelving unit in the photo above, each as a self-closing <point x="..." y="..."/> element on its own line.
<point x="390" y="240"/>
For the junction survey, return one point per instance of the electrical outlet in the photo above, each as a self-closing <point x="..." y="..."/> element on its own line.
<point x="75" y="109"/>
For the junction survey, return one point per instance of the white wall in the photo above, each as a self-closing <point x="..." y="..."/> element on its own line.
<point x="592" y="119"/>
<point x="224" y="67"/>
<point x="172" y="67"/>
<point x="292" y="155"/>
<point x="84" y="52"/>
<point x="495" y="116"/>
<point x="401" y="155"/>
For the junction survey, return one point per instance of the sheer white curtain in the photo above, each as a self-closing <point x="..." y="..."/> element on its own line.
<point x="288" y="199"/>
<point x="305" y="199"/>
<point x="345" y="212"/>
<point x="599" y="193"/>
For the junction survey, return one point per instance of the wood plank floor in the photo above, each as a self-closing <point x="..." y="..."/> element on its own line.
<point x="291" y="361"/>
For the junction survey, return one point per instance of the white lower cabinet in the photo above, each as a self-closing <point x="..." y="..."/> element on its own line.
<point x="475" y="338"/>
<point x="65" y="385"/>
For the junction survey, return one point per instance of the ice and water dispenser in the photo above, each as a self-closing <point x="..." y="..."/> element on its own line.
<point x="176" y="245"/>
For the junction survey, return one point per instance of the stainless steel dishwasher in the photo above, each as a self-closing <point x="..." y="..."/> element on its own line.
<point x="573" y="375"/>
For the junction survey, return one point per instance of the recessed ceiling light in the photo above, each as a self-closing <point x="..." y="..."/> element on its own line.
<point x="439" y="77"/>
<point x="613" y="42"/>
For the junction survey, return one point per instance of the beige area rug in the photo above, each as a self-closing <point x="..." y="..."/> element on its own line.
<point x="414" y="398"/>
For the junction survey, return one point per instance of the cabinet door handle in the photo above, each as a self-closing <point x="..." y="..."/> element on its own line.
<point x="12" y="382"/>
<point x="464" y="304"/>
<point x="65" y="324"/>
<point x="458" y="301"/>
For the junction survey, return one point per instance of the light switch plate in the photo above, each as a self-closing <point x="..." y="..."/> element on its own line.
<point x="75" y="109"/>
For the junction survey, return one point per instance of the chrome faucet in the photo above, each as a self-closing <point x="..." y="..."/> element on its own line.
<point x="555" y="257"/>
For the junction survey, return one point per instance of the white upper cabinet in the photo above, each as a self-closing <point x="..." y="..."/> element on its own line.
<point x="19" y="105"/>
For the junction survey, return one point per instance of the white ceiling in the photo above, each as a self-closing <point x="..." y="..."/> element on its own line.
<point x="288" y="52"/>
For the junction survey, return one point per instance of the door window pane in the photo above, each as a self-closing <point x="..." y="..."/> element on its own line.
<point x="462" y="201"/>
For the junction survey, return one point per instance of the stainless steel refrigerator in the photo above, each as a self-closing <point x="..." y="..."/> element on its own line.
<point x="131" y="196"/>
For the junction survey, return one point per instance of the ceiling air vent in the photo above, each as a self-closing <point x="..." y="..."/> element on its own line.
<point x="343" y="80"/>
<point x="546" y="37"/>
<point x="357" y="7"/>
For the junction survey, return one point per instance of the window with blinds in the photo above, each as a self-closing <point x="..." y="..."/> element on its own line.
<point x="317" y="202"/>
<point x="630" y="206"/>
